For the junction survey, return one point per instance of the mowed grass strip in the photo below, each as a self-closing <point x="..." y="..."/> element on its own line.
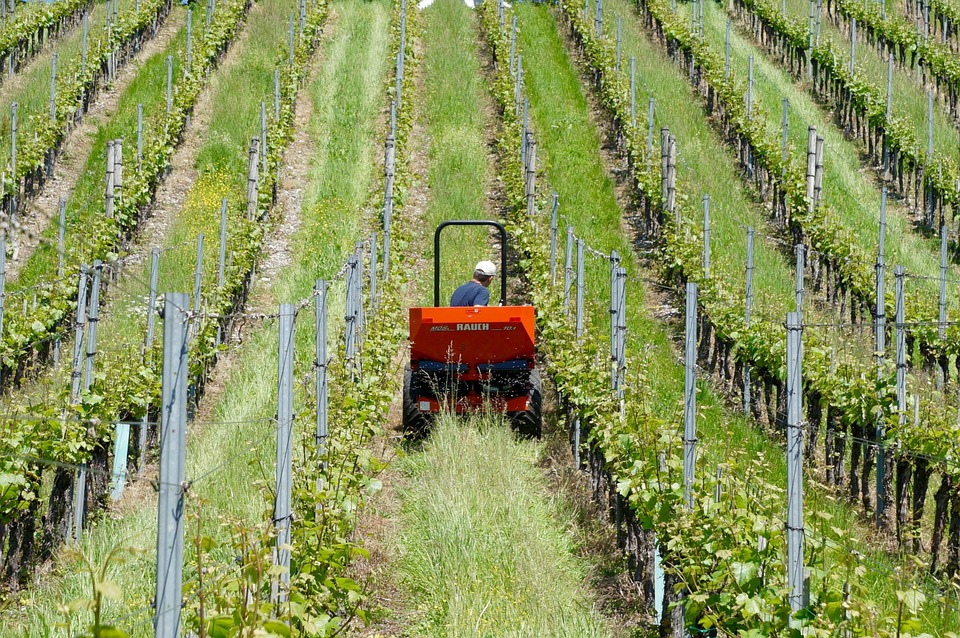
<point x="569" y="143"/>
<point x="460" y="172"/>
<point x="347" y="95"/>
<point x="481" y="547"/>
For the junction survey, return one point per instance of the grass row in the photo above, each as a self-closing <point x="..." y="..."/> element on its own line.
<point x="849" y="190"/>
<point x="460" y="175"/>
<point x="480" y="546"/>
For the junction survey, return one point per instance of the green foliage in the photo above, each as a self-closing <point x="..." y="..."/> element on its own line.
<point x="126" y="387"/>
<point x="858" y="397"/>
<point x="728" y="554"/>
<point x="31" y="20"/>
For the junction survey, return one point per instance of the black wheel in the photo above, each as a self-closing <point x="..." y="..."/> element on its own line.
<point x="529" y="423"/>
<point x="414" y="421"/>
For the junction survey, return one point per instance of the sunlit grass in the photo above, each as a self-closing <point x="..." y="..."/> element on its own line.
<point x="482" y="549"/>
<point x="460" y="173"/>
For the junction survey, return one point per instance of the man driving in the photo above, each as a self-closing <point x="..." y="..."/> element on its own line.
<point x="474" y="292"/>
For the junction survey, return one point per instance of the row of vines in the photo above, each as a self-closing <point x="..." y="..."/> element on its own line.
<point x="842" y="397"/>
<point x="725" y="555"/>
<point x="332" y="483"/>
<point x="123" y="389"/>
<point x="32" y="334"/>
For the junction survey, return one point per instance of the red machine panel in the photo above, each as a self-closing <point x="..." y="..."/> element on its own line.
<point x="472" y="336"/>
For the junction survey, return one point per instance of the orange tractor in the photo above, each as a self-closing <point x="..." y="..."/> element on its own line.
<point x="468" y="359"/>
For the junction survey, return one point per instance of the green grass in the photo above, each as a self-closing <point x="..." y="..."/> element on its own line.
<point x="480" y="546"/>
<point x="460" y="173"/>
<point x="482" y="549"/>
<point x="347" y="95"/>
<point x="570" y="145"/>
<point x="340" y="171"/>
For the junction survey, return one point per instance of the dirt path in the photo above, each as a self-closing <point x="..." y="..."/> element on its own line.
<point x="293" y="177"/>
<point x="68" y="168"/>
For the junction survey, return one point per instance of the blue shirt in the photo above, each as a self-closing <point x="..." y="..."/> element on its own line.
<point x="470" y="294"/>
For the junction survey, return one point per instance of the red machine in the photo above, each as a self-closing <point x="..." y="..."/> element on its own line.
<point x="472" y="358"/>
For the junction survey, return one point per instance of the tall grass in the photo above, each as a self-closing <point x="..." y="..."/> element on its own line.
<point x="570" y="145"/>
<point x="460" y="174"/>
<point x="481" y="549"/>
<point x="347" y="95"/>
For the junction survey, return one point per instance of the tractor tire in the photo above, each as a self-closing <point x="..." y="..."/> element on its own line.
<point x="529" y="424"/>
<point x="414" y="422"/>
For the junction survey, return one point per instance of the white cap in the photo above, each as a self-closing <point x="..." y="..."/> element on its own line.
<point x="486" y="268"/>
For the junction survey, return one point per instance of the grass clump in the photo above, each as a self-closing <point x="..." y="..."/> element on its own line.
<point x="481" y="545"/>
